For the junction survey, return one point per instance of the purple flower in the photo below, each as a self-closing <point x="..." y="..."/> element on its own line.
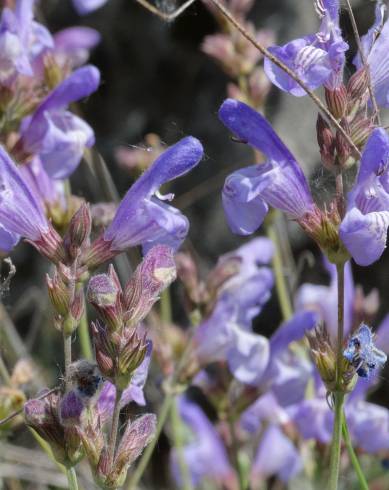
<point x="84" y="7"/>
<point x="375" y="50"/>
<point x="278" y="182"/>
<point x="317" y="59"/>
<point x="72" y="45"/>
<point x="226" y="334"/>
<point x="20" y="212"/>
<point x="21" y="40"/>
<point x="320" y="417"/>
<point x="264" y="410"/>
<point x="205" y="456"/>
<point x="7" y="240"/>
<point x="324" y="299"/>
<point x="364" y="227"/>
<point x="276" y="455"/>
<point x="142" y="217"/>
<point x="57" y="135"/>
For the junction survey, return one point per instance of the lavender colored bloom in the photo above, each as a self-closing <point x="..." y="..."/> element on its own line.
<point x="278" y="182"/>
<point x="368" y="424"/>
<point x="72" y="45"/>
<point x="324" y="299"/>
<point x="7" y="240"/>
<point x="84" y="7"/>
<point x="226" y="334"/>
<point x="205" y="456"/>
<point x="317" y="59"/>
<point x="375" y="50"/>
<point x="276" y="455"/>
<point x="265" y="409"/>
<point x="363" y="354"/>
<point x="364" y="227"/>
<point x="20" y="211"/>
<point x="21" y="40"/>
<point x="142" y="218"/>
<point x="57" y="135"/>
<point x="320" y="417"/>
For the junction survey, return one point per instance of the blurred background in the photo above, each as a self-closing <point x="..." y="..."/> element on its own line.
<point x="156" y="79"/>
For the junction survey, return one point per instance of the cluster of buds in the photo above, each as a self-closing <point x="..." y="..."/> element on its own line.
<point x="322" y="225"/>
<point x="325" y="358"/>
<point x="238" y="58"/>
<point x="119" y="344"/>
<point x="348" y="105"/>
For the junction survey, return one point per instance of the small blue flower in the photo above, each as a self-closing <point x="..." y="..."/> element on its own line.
<point x="363" y="354"/>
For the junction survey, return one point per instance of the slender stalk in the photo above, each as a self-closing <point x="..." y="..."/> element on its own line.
<point x="72" y="478"/>
<point x="178" y="444"/>
<point x="67" y="348"/>
<point x="364" y="61"/>
<point x="144" y="461"/>
<point x="282" y="290"/>
<point x="166" y="306"/>
<point x="235" y="454"/>
<point x="83" y="332"/>
<point x="353" y="457"/>
<point x="338" y="394"/>
<point x="114" y="427"/>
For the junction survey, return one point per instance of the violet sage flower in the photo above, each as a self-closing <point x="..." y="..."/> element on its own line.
<point x="143" y="218"/>
<point x="22" y="213"/>
<point x="8" y="240"/>
<point x="317" y="59"/>
<point x="73" y="44"/>
<point x="364" y="227"/>
<point x="84" y="7"/>
<point x="278" y="182"/>
<point x="58" y="136"/>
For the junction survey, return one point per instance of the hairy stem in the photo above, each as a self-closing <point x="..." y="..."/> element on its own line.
<point x="114" y="428"/>
<point x="72" y="478"/>
<point x="353" y="457"/>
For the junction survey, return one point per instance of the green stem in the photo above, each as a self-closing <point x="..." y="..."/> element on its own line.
<point x="235" y="455"/>
<point x="336" y="441"/>
<point x="144" y="461"/>
<point x="338" y="394"/>
<point x="281" y="287"/>
<point x="353" y="457"/>
<point x="67" y="347"/>
<point x="83" y="332"/>
<point x="114" y="428"/>
<point x="72" y="478"/>
<point x="178" y="444"/>
<point x="166" y="306"/>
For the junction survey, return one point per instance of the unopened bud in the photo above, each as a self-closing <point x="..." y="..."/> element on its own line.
<point x="326" y="142"/>
<point x="343" y="149"/>
<point x="76" y="310"/>
<point x="71" y="409"/>
<point x="130" y="357"/>
<point x="58" y="293"/>
<point x="79" y="230"/>
<point x="360" y="129"/>
<point x="337" y="101"/>
<point x="358" y="85"/>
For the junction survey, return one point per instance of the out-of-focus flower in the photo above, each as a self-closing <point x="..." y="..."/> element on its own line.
<point x="323" y="299"/>
<point x="84" y="7"/>
<point x="317" y="59"/>
<point x="205" y="456"/>
<point x="72" y="45"/>
<point x="22" y="40"/>
<point x="136" y="159"/>
<point x="143" y="217"/>
<point x="276" y="455"/>
<point x="55" y="134"/>
<point x="364" y="227"/>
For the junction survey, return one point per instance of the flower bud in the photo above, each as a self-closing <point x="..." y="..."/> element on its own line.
<point x="58" y="293"/>
<point x="71" y="409"/>
<point x="337" y="101"/>
<point x="343" y="149"/>
<point x="105" y="350"/>
<point x="130" y="357"/>
<point x="76" y="310"/>
<point x="104" y="293"/>
<point x="79" y="230"/>
<point x="360" y="130"/>
<point x="156" y="272"/>
<point x="326" y="142"/>
<point x="358" y="85"/>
